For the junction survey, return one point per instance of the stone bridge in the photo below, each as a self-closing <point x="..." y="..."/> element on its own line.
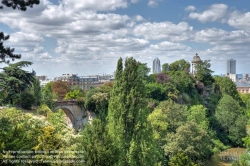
<point x="77" y="115"/>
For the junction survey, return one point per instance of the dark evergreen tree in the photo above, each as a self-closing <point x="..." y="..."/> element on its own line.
<point x="127" y="118"/>
<point x="19" y="4"/>
<point x="36" y="90"/>
<point x="204" y="73"/>
<point x="7" y="52"/>
<point x="16" y="80"/>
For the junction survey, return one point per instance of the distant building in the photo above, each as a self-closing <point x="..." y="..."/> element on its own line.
<point x="246" y="77"/>
<point x="156" y="66"/>
<point x="243" y="87"/>
<point x="72" y="79"/>
<point x="42" y="77"/>
<point x="233" y="77"/>
<point x="196" y="60"/>
<point x="85" y="82"/>
<point x="231" y="66"/>
<point x="44" y="82"/>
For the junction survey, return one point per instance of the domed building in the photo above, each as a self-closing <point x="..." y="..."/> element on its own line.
<point x="196" y="60"/>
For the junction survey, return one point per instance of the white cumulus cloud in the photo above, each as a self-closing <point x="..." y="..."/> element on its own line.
<point x="164" y="30"/>
<point x="240" y="20"/>
<point x="216" y="12"/>
<point x="190" y="8"/>
<point x="153" y="3"/>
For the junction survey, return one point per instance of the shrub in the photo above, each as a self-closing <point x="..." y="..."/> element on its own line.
<point x="27" y="99"/>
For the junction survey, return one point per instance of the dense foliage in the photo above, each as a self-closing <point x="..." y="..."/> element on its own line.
<point x="170" y="118"/>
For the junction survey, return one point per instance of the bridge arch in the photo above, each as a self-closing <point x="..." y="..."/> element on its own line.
<point x="69" y="113"/>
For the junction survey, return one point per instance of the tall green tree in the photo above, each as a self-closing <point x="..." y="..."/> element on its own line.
<point x="175" y="114"/>
<point x="165" y="67"/>
<point x="226" y="86"/>
<point x="190" y="140"/>
<point x="180" y="65"/>
<point x="198" y="113"/>
<point x="127" y="118"/>
<point x="37" y="91"/>
<point x="232" y="120"/>
<point x="182" y="80"/>
<point x="16" y="80"/>
<point x="204" y="73"/>
<point x="97" y="145"/>
<point x="47" y="97"/>
<point x="143" y="70"/>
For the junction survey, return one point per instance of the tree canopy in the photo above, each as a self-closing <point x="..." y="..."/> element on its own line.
<point x="180" y="65"/>
<point x="204" y="73"/>
<point x="127" y="118"/>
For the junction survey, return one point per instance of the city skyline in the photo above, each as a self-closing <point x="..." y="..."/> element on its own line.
<point x="88" y="37"/>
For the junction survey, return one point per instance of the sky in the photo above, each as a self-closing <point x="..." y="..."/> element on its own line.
<point x="87" y="37"/>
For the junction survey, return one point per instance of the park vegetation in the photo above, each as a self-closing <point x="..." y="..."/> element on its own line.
<point x="170" y="118"/>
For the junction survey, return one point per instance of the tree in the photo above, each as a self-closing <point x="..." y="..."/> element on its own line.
<point x="180" y="159"/>
<point x="48" y="140"/>
<point x="127" y="118"/>
<point x="152" y="78"/>
<point x="96" y="100"/>
<point x="227" y="86"/>
<point x="18" y="130"/>
<point x="97" y="145"/>
<point x="204" y="73"/>
<point x="74" y="94"/>
<point x="143" y="70"/>
<point x="60" y="88"/>
<point x="47" y="96"/>
<point x="158" y="121"/>
<point x="180" y="65"/>
<point x="182" y="80"/>
<point x="165" y="67"/>
<point x="106" y="87"/>
<point x="176" y="115"/>
<point x="37" y="92"/>
<point x="198" y="114"/>
<point x="155" y="91"/>
<point x="163" y="78"/>
<point x="190" y="140"/>
<point x="171" y="90"/>
<point x="27" y="99"/>
<point x="20" y="4"/>
<point x="7" y="52"/>
<point x="15" y="80"/>
<point x="232" y="120"/>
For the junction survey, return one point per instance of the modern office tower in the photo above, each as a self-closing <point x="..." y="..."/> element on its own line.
<point x="156" y="66"/>
<point x="231" y="66"/>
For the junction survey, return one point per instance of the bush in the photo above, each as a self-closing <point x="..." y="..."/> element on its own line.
<point x="27" y="99"/>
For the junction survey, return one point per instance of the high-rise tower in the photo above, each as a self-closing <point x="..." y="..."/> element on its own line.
<point x="231" y="66"/>
<point x="156" y="66"/>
